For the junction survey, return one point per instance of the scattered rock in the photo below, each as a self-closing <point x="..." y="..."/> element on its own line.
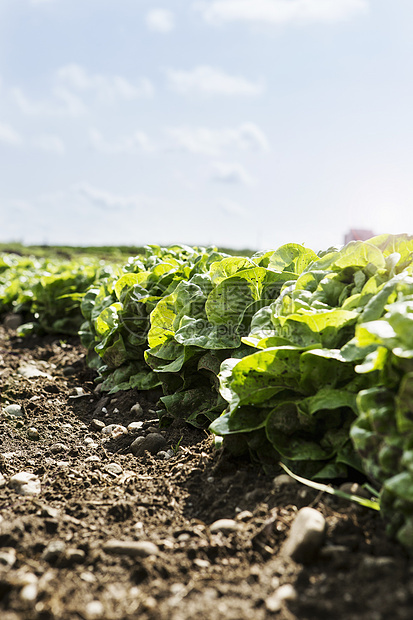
<point x="141" y="548"/>
<point x="74" y="556"/>
<point x="227" y="526"/>
<point x="245" y="515"/>
<point x="12" y="321"/>
<point x="68" y="371"/>
<point x="135" y="426"/>
<point x="164" y="456"/>
<point x="33" y="433"/>
<point x="93" y="459"/>
<point x="114" y="430"/>
<point x="152" y="443"/>
<point x="113" y="469"/>
<point x="283" y="480"/>
<point x="7" y="557"/>
<point x="94" y="609"/>
<point x="78" y="391"/>
<point x="137" y="410"/>
<point x="306" y="535"/>
<point x="26" y="483"/>
<point x="49" y="512"/>
<point x="29" y="371"/>
<point x="98" y="424"/>
<point x="284" y="593"/>
<point x="54" y="551"/>
<point x="2" y="480"/>
<point x="29" y="592"/>
<point x="152" y="429"/>
<point x="58" y="447"/>
<point x="14" y="411"/>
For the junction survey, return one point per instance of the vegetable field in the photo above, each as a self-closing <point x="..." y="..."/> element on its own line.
<point x="285" y="360"/>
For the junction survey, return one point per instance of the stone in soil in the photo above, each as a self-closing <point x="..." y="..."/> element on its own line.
<point x="26" y="483"/>
<point x="306" y="535"/>
<point x="152" y="443"/>
<point x="141" y="548"/>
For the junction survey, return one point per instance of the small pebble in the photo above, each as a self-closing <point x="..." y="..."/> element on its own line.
<point x="226" y="526"/>
<point x="93" y="459"/>
<point x="7" y="557"/>
<point x="283" y="480"/>
<point x="54" y="550"/>
<point x="113" y="469"/>
<point x="202" y="563"/>
<point x="29" y="371"/>
<point x="26" y="483"/>
<point x="137" y="410"/>
<point x="12" y="321"/>
<point x="306" y="535"/>
<point x="245" y="515"/>
<point x="58" y="447"/>
<point x="162" y="455"/>
<point x="152" y="429"/>
<point x="2" y="480"/>
<point x="68" y="371"/>
<point x="75" y="556"/>
<point x="114" y="430"/>
<point x="152" y="443"/>
<point x="78" y="391"/>
<point x="140" y="548"/>
<point x="33" y="433"/>
<point x="98" y="424"/>
<point x="284" y="593"/>
<point x="94" y="609"/>
<point x="49" y="512"/>
<point x="116" y="410"/>
<point x="104" y="410"/>
<point x="134" y="426"/>
<point x="14" y="411"/>
<point x="29" y="592"/>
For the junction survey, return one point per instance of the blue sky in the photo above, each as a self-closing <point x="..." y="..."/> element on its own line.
<point x="238" y="123"/>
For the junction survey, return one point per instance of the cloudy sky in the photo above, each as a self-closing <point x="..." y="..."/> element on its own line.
<point x="239" y="123"/>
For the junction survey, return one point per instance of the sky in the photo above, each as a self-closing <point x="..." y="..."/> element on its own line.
<point x="236" y="123"/>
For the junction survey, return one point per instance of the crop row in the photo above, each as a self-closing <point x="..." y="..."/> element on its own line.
<point x="288" y="355"/>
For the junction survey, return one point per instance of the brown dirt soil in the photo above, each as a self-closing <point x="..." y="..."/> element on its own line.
<point x="55" y="561"/>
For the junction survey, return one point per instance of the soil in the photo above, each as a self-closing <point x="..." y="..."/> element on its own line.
<point x="71" y="551"/>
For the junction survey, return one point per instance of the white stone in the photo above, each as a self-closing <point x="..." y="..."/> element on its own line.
<point x="14" y="411"/>
<point x="26" y="483"/>
<point x="140" y="548"/>
<point x="94" y="609"/>
<point x="306" y="535"/>
<point x="226" y="526"/>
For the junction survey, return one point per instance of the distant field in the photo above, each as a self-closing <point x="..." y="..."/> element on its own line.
<point x="102" y="251"/>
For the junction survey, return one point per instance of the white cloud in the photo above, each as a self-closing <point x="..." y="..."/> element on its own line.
<point x="106" y="88"/>
<point x="73" y="88"/>
<point x="62" y="103"/>
<point x="280" y="11"/>
<point x="106" y="200"/>
<point x="207" y="80"/>
<point x="138" y="141"/>
<point x="50" y="143"/>
<point x="205" y="141"/>
<point x="231" y="173"/>
<point x="160" y="20"/>
<point x="9" y="136"/>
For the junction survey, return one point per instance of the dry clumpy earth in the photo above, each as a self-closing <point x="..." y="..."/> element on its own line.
<point x="91" y="528"/>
